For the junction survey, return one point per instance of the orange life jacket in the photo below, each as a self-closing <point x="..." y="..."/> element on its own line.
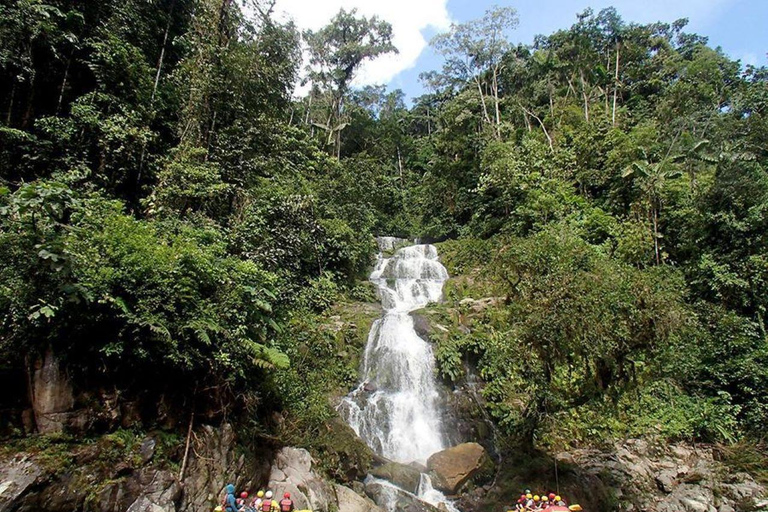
<point x="286" y="505"/>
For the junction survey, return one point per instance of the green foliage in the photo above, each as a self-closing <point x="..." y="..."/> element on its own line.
<point x="88" y="279"/>
<point x="166" y="205"/>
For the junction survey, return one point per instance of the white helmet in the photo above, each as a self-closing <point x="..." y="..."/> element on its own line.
<point x="268" y="495"/>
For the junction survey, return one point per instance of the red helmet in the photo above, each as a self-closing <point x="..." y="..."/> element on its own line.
<point x="243" y="494"/>
<point x="287" y="495"/>
<point x="552" y="495"/>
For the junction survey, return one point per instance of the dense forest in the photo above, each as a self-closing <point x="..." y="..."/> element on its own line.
<point x="168" y="208"/>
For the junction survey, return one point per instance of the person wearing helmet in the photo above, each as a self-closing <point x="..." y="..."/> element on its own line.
<point x="552" y="496"/>
<point x="560" y="502"/>
<point x="529" y="501"/>
<point x="256" y="503"/>
<point x="230" y="503"/>
<point x="241" y="501"/>
<point x="286" y="505"/>
<point x="520" y="505"/>
<point x="544" y="502"/>
<point x="267" y="504"/>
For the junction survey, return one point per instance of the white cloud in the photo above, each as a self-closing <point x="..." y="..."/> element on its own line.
<point x="408" y="19"/>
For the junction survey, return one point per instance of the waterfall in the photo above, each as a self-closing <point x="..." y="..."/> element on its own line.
<point x="395" y="410"/>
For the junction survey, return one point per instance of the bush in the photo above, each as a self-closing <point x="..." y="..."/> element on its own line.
<point x="108" y="289"/>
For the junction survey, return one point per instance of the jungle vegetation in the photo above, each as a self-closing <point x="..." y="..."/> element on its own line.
<point x="168" y="205"/>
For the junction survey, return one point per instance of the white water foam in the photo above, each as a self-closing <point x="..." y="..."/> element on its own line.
<point x="395" y="409"/>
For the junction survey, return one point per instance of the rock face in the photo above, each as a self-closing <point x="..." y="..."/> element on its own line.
<point x="452" y="468"/>
<point x="142" y="483"/>
<point x="668" y="479"/>
<point x="389" y="497"/>
<point x="292" y="472"/>
<point x="214" y="464"/>
<point x="26" y="486"/>
<point x="52" y="395"/>
<point x="405" y="477"/>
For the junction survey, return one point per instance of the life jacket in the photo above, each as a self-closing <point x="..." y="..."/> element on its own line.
<point x="266" y="505"/>
<point x="286" y="505"/>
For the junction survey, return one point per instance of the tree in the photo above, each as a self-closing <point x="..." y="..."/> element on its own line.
<point x="336" y="53"/>
<point x="652" y="178"/>
<point x="474" y="53"/>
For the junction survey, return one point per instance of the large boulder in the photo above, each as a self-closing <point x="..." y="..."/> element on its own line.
<point x="349" y="501"/>
<point x="51" y="394"/>
<point x="405" y="477"/>
<point x="292" y="472"/>
<point x="389" y="497"/>
<point x="452" y="468"/>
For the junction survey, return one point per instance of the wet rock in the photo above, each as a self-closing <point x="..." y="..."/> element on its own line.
<point x="452" y="468"/>
<point x="389" y="497"/>
<point x="401" y="475"/>
<point x="422" y="326"/>
<point x="348" y="500"/>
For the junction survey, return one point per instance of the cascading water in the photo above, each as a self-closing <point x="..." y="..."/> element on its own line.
<point x="396" y="408"/>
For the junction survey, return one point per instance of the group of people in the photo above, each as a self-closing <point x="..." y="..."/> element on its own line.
<point x="262" y="502"/>
<point x="529" y="501"/>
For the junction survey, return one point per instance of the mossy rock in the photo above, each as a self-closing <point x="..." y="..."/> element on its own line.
<point x="341" y="454"/>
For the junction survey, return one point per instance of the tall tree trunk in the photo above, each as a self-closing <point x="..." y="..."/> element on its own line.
<point x="10" y="104"/>
<point x="64" y="83"/>
<point x="496" y="102"/>
<point x="30" y="104"/>
<point x="655" y="215"/>
<point x="615" y="84"/>
<point x="309" y="109"/>
<point x="551" y="99"/>
<point x="162" y="52"/>
<point x="584" y="95"/>
<point x="486" y="117"/>
<point x="541" y="123"/>
<point x="223" y="32"/>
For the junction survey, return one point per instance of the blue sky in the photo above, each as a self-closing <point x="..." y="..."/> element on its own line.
<point x="739" y="27"/>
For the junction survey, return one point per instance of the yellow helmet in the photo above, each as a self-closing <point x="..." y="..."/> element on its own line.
<point x="544" y="498"/>
<point x="557" y="498"/>
<point x="218" y="509"/>
<point x="260" y="494"/>
<point x="529" y="496"/>
<point x="536" y="498"/>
